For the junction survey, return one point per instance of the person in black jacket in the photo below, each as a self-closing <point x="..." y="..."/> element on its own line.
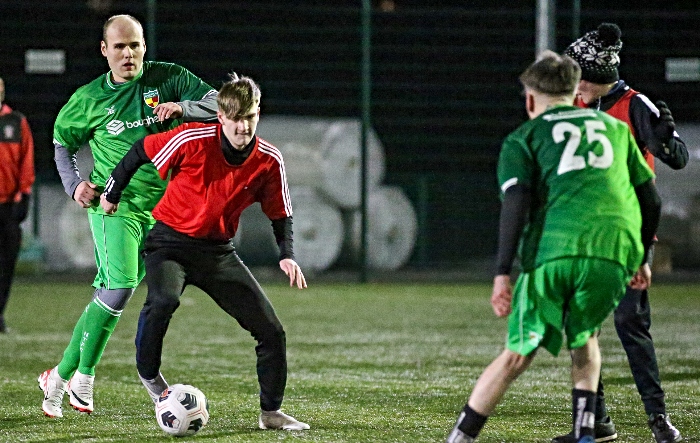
<point x="653" y="127"/>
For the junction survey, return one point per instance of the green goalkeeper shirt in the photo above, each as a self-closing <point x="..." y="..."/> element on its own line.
<point x="110" y="117"/>
<point x="581" y="166"/>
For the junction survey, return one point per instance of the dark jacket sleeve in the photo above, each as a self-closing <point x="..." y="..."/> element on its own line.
<point x="650" y="205"/>
<point x="125" y="169"/>
<point x="514" y="212"/>
<point x="282" y="227"/>
<point x="672" y="152"/>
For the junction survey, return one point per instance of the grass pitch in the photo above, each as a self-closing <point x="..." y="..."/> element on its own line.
<point x="367" y="363"/>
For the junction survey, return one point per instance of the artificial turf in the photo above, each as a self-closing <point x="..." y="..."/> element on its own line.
<point x="367" y="363"/>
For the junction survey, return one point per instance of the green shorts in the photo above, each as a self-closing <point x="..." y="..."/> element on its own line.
<point x="572" y="295"/>
<point x="118" y="245"/>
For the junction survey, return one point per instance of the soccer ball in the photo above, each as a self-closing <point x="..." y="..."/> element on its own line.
<point x="182" y="410"/>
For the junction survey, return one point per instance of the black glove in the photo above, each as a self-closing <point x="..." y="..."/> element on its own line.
<point x="664" y="126"/>
<point x="21" y="208"/>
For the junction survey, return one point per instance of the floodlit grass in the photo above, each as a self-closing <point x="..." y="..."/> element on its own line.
<point x="367" y="363"/>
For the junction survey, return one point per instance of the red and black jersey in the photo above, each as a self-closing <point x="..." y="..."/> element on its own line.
<point x="640" y="114"/>
<point x="620" y="109"/>
<point x="16" y="156"/>
<point x="206" y="195"/>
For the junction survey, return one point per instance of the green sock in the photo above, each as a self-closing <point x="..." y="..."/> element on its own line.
<point x="71" y="356"/>
<point x="100" y="322"/>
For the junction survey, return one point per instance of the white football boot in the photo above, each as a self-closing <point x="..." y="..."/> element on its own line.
<point x="54" y="387"/>
<point x="280" y="420"/>
<point x="80" y="389"/>
<point x="155" y="387"/>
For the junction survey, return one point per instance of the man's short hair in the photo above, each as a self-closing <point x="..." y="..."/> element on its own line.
<point x="238" y="95"/>
<point x="115" y="17"/>
<point x="552" y="74"/>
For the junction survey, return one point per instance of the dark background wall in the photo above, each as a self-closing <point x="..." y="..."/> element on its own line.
<point x="444" y="80"/>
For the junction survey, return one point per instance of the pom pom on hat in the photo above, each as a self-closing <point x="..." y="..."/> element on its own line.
<point x="597" y="53"/>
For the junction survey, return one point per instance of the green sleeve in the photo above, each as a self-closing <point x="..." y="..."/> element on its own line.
<point x="515" y="162"/>
<point x="71" y="127"/>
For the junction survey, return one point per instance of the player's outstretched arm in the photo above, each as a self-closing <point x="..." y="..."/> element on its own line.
<point x="293" y="271"/>
<point x="203" y="110"/>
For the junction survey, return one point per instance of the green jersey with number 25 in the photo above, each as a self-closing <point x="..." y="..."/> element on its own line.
<point x="581" y="166"/>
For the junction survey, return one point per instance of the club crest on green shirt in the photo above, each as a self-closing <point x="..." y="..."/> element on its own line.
<point x="151" y="98"/>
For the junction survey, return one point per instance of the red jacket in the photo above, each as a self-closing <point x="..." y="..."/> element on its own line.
<point x="16" y="156"/>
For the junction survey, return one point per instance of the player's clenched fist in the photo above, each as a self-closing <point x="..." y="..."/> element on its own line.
<point x="109" y="208"/>
<point x="84" y="193"/>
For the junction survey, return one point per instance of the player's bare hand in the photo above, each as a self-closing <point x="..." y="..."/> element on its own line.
<point x="85" y="193"/>
<point x="168" y="110"/>
<point x="293" y="271"/>
<point x="109" y="208"/>
<point x="642" y="279"/>
<point x="501" y="295"/>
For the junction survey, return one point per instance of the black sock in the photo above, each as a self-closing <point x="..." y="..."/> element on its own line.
<point x="601" y="411"/>
<point x="583" y="407"/>
<point x="471" y="422"/>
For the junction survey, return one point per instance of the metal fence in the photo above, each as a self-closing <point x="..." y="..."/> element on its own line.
<point x="444" y="81"/>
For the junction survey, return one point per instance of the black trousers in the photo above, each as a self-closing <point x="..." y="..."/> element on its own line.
<point x="632" y="322"/>
<point x="173" y="261"/>
<point x="10" y="240"/>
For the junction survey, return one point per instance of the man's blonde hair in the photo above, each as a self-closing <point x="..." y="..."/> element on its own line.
<point x="552" y="74"/>
<point x="238" y="95"/>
